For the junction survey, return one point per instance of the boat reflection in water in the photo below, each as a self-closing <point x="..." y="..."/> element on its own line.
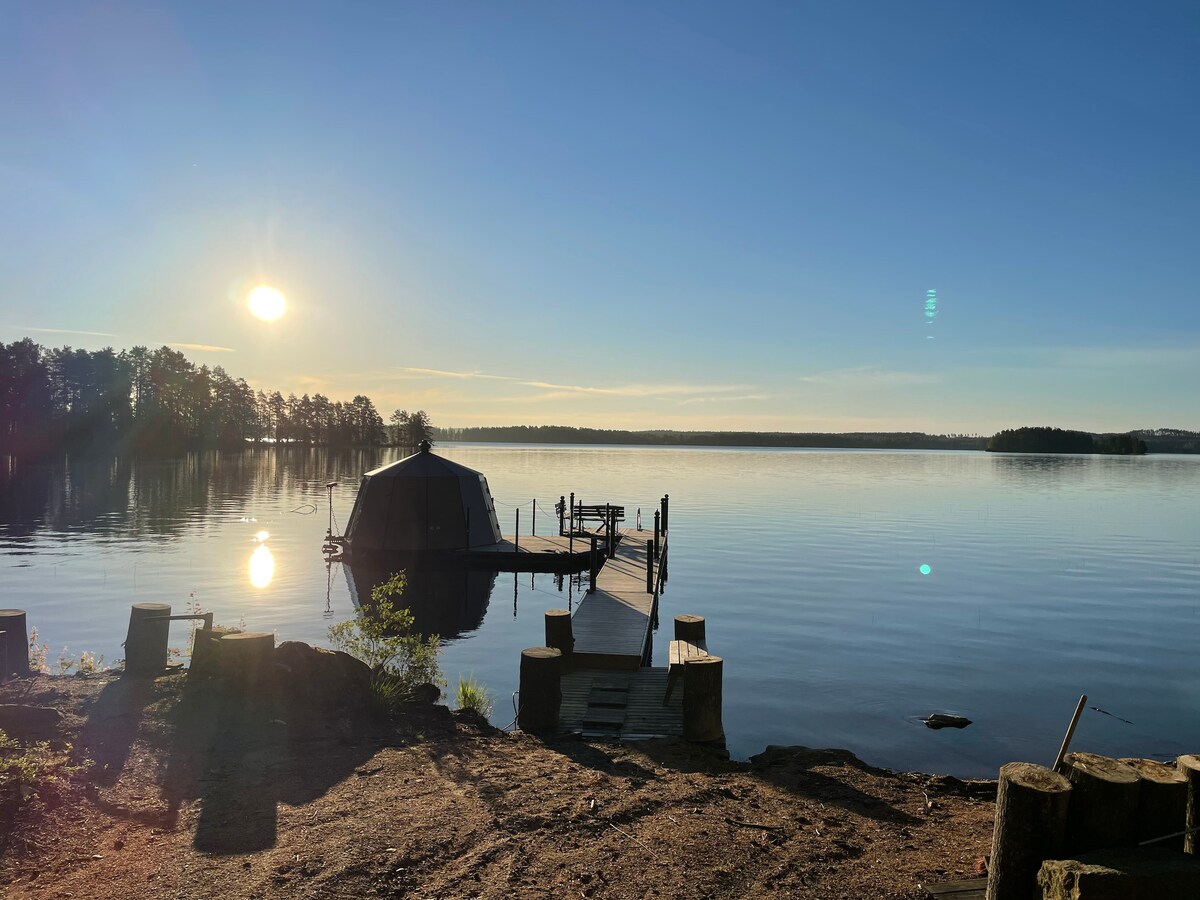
<point x="446" y="601"/>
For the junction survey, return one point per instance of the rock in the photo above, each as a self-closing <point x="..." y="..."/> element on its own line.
<point x="426" y="693"/>
<point x="317" y="682"/>
<point x="29" y="723"/>
<point x="1146" y="873"/>
<point x="802" y="757"/>
<point x="941" y="720"/>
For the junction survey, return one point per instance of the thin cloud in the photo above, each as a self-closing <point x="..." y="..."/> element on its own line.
<point x="640" y="390"/>
<point x="871" y="377"/>
<point x="443" y="373"/>
<point x="208" y="348"/>
<point x="738" y="398"/>
<point x="65" y="331"/>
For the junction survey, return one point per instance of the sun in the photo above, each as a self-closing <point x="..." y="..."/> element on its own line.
<point x="266" y="303"/>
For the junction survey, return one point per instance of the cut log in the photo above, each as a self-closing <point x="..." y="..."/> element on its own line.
<point x="1190" y="767"/>
<point x="1104" y="802"/>
<point x="1147" y="873"/>
<point x="247" y="661"/>
<point x="206" y="650"/>
<point x="1031" y="825"/>
<point x="702" y="698"/>
<point x="690" y="629"/>
<point x="558" y="631"/>
<point x="1162" y="801"/>
<point x="541" y="690"/>
<point x="146" y="640"/>
<point x="14" y="643"/>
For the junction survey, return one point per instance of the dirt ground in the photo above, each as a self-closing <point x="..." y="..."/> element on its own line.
<point x="188" y="797"/>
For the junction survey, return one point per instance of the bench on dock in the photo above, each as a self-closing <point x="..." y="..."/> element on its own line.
<point x="598" y="512"/>
<point x="680" y="653"/>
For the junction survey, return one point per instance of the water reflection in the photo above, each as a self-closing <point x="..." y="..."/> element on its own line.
<point x="262" y="567"/>
<point x="450" y="603"/>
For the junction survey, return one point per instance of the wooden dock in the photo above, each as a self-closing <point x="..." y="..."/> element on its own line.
<point x="622" y="705"/>
<point x="972" y="889"/>
<point x="531" y="553"/>
<point x="613" y="624"/>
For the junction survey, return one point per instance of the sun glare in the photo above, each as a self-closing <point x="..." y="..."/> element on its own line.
<point x="266" y="303"/>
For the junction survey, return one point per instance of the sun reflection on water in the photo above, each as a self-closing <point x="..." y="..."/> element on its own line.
<point x="262" y="566"/>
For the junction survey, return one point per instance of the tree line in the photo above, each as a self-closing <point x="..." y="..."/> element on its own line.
<point x="54" y="399"/>
<point x="1058" y="440"/>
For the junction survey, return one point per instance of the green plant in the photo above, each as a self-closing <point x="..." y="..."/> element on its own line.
<point x="383" y="638"/>
<point x="37" y="653"/>
<point x="87" y="664"/>
<point x="30" y="767"/>
<point x="473" y="695"/>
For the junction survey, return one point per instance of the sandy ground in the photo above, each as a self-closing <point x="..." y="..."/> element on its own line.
<point x="188" y="797"/>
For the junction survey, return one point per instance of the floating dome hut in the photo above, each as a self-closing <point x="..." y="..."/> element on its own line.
<point x="423" y="502"/>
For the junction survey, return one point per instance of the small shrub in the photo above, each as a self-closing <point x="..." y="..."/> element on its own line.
<point x="473" y="695"/>
<point x="30" y="767"/>
<point x="37" y="653"/>
<point x="383" y="638"/>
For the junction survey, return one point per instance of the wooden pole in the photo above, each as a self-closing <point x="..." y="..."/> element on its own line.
<point x="562" y="511"/>
<point x="702" y="698"/>
<point x="1162" y="801"/>
<point x="666" y="507"/>
<point x="649" y="567"/>
<point x="1031" y="822"/>
<point x="517" y="532"/>
<point x="572" y="516"/>
<point x="608" y="541"/>
<point x="146" y="639"/>
<point x="595" y="565"/>
<point x="533" y="520"/>
<point x="1104" y="803"/>
<point x="541" y="690"/>
<point x="1062" y="751"/>
<point x="1190" y="767"/>
<point x="558" y="631"/>
<point x="689" y="628"/>
<point x="656" y="515"/>
<point x="14" y="642"/>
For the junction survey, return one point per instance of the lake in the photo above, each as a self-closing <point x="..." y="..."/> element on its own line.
<point x="1047" y="577"/>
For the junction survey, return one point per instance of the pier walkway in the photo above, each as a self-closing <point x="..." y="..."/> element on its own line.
<point x="613" y="624"/>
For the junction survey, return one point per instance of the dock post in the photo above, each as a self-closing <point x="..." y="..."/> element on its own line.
<point x="14" y="639"/>
<point x="533" y="520"/>
<point x="146" y="640"/>
<point x="517" y="532"/>
<point x="558" y="631"/>
<point x="540" y="690"/>
<point x="639" y="519"/>
<point x="595" y="567"/>
<point x="562" y="511"/>
<point x="572" y="519"/>
<point x="689" y="628"/>
<point x="608" y="541"/>
<point x="666" y="509"/>
<point x="649" y="567"/>
<point x="702" y="699"/>
<point x="656" y="532"/>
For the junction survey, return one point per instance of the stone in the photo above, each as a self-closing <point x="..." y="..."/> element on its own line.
<point x="426" y="693"/>
<point x="317" y="682"/>
<point x="1145" y="873"/>
<point x="29" y="723"/>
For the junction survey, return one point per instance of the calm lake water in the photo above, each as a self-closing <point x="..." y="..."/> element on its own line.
<point x="1048" y="577"/>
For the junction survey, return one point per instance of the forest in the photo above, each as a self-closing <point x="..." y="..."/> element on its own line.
<point x="63" y="399"/>
<point x="1058" y="440"/>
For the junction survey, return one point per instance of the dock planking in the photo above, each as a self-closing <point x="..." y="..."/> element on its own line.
<point x="624" y="705"/>
<point x="612" y="624"/>
<point x="532" y="553"/>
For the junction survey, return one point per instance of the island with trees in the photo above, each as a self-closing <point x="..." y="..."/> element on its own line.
<point x="1058" y="440"/>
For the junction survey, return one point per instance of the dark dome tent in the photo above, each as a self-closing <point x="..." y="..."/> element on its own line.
<point x="422" y="502"/>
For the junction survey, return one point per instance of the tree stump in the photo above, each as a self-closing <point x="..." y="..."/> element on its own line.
<point x="541" y="690"/>
<point x="702" y="698"/>
<point x="146" y="640"/>
<point x="689" y="628"/>
<point x="1031" y="824"/>
<point x="558" y="631"/>
<point x="206" y="649"/>
<point x="1162" y="801"/>
<point x="1104" y="802"/>
<point x="14" y="643"/>
<point x="247" y="662"/>
<point x="1190" y="767"/>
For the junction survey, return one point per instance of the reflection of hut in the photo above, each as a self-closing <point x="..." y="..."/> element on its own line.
<point x="422" y="502"/>
<point x="448" y="602"/>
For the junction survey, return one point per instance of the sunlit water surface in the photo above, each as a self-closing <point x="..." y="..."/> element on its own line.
<point x="1047" y="577"/>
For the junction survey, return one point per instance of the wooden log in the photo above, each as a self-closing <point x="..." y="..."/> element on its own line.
<point x="1162" y="801"/>
<point x="690" y="629"/>
<point x="1146" y="873"/>
<point x="1031" y="824"/>
<point x="1104" y="802"/>
<point x="206" y="650"/>
<point x="247" y="661"/>
<point x="541" y="690"/>
<point x="146" y="640"/>
<point x="558" y="631"/>
<point x="14" y="643"/>
<point x="1190" y="767"/>
<point x="702" y="698"/>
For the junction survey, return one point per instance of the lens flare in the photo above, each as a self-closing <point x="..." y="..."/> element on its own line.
<point x="925" y="569"/>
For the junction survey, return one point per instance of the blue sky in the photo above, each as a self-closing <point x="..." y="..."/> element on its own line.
<point x="623" y="215"/>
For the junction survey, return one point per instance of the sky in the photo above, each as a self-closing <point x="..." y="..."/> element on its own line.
<point x="623" y="215"/>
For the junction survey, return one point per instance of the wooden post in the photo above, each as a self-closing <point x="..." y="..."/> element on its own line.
<point x="1031" y="823"/>
<point x="517" y="532"/>
<point x="562" y="512"/>
<point x="666" y="506"/>
<point x="1062" y="750"/>
<point x="541" y="690"/>
<point x="649" y="567"/>
<point x="572" y="517"/>
<point x="14" y="643"/>
<point x="248" y="662"/>
<point x="469" y="544"/>
<point x="558" y="631"/>
<point x="608" y="541"/>
<point x="689" y="628"/>
<point x="1190" y="767"/>
<point x="1162" y="801"/>
<point x="702" y="698"/>
<point x="1104" y="803"/>
<point x="656" y="514"/>
<point x="533" y="520"/>
<point x="595" y="564"/>
<point x="146" y="639"/>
